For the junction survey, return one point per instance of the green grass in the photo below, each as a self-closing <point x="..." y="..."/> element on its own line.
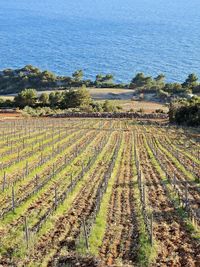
<point x="146" y="252"/>
<point x="38" y="169"/>
<point x="183" y="152"/>
<point x="195" y="232"/>
<point x="99" y="228"/>
<point x="49" y="225"/>
<point x="189" y="175"/>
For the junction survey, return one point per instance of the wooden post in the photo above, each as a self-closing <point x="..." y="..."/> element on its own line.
<point x="141" y="178"/>
<point x="53" y="170"/>
<point x="193" y="165"/>
<point x="144" y="195"/>
<point x="85" y="234"/>
<point x="151" y="225"/>
<point x="174" y="181"/>
<point x="56" y="198"/>
<point x="41" y="158"/>
<point x="52" y="150"/>
<point x="26" y="232"/>
<point x="186" y="194"/>
<point x="18" y="154"/>
<point x="26" y="168"/>
<point x="13" y="198"/>
<point x="71" y="182"/>
<point x="82" y="169"/>
<point x="4" y="181"/>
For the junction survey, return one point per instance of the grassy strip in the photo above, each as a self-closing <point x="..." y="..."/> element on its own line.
<point x="195" y="233"/>
<point x="46" y="149"/>
<point x="146" y="253"/>
<point x="183" y="152"/>
<point x="64" y="208"/>
<point x="34" y="157"/>
<point x="74" y="168"/>
<point x="16" y="234"/>
<point x="43" y="167"/>
<point x="176" y="162"/>
<point x="99" y="228"/>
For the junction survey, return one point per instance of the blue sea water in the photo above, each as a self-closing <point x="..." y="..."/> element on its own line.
<point x="121" y="37"/>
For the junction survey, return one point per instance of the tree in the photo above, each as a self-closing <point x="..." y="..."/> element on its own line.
<point x="191" y="81"/>
<point x="141" y="81"/>
<point x="163" y="95"/>
<point x="55" y="99"/>
<point x="160" y="78"/>
<point x="108" y="106"/>
<point x="185" y="112"/>
<point x="44" y="99"/>
<point x="173" y="88"/>
<point x="99" y="78"/>
<point x="26" y="97"/>
<point x="104" y="79"/>
<point x="108" y="78"/>
<point x="83" y="97"/>
<point x="78" y="75"/>
<point x="160" y="81"/>
<point x="69" y="99"/>
<point x="76" y="98"/>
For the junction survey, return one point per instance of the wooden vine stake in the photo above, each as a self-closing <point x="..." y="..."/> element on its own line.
<point x="71" y="182"/>
<point x="18" y="156"/>
<point x="144" y="195"/>
<point x="151" y="225"/>
<point x="4" y="181"/>
<point x="186" y="195"/>
<point x="36" y="181"/>
<point x="174" y="182"/>
<point x="193" y="167"/>
<point x="41" y="158"/>
<point x="13" y="198"/>
<point x="26" y="172"/>
<point x="56" y="197"/>
<point x="85" y="234"/>
<point x="26" y="232"/>
<point x="82" y="169"/>
<point x="53" y="169"/>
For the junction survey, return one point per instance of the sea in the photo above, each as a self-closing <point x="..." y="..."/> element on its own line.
<point x="121" y="37"/>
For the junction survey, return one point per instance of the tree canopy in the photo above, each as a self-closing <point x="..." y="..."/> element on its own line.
<point x="26" y="97"/>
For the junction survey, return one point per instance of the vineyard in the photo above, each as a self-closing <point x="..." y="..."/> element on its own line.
<point x="98" y="192"/>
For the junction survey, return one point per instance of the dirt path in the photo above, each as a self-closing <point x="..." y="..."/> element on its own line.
<point x="121" y="237"/>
